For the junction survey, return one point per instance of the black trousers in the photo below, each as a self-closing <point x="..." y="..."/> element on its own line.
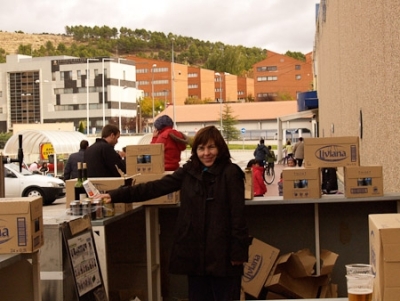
<point x="210" y="288"/>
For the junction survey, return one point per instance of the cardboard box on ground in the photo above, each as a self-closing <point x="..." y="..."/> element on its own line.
<point x="384" y="240"/>
<point x="21" y="225"/>
<point x="290" y="275"/>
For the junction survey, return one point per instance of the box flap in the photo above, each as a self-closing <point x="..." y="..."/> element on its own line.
<point x="20" y="205"/>
<point x="352" y="172"/>
<point x="328" y="260"/>
<point x="301" y="264"/>
<point x="144" y="149"/>
<point x="330" y="140"/>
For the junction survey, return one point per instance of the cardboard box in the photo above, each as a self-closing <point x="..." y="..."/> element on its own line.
<point x="145" y="158"/>
<point x="248" y="185"/>
<point x="21" y="225"/>
<point x="261" y="260"/>
<point x="301" y="183"/>
<point x="169" y="199"/>
<point x="102" y="184"/>
<point x="331" y="152"/>
<point x="280" y="280"/>
<point x="384" y="241"/>
<point x="363" y="181"/>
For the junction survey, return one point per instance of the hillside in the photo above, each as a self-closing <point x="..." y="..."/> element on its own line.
<point x="10" y="41"/>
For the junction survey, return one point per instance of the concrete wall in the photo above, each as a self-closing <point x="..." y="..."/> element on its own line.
<point x="357" y="69"/>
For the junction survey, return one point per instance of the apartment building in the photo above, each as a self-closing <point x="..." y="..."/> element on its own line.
<point x="178" y="82"/>
<point x="93" y="91"/>
<point x="280" y="77"/>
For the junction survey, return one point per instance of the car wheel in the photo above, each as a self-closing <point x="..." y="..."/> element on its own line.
<point x="34" y="191"/>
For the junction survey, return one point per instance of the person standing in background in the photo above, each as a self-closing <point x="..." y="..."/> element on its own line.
<point x="211" y="238"/>
<point x="174" y="141"/>
<point x="258" y="182"/>
<point x="71" y="168"/>
<point x="261" y="152"/>
<point x="298" y="151"/>
<point x="101" y="158"/>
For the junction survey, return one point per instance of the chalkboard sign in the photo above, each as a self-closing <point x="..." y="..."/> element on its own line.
<point x="82" y="255"/>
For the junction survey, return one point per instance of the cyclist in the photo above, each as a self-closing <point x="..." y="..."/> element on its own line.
<point x="271" y="159"/>
<point x="261" y="152"/>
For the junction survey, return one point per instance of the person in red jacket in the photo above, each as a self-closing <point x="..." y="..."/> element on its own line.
<point x="174" y="141"/>
<point x="258" y="182"/>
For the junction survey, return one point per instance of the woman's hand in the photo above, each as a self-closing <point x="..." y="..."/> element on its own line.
<point x="155" y="133"/>
<point x="105" y="197"/>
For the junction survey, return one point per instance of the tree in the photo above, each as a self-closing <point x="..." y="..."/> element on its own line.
<point x="4" y="138"/>
<point x="229" y="130"/>
<point x="81" y="127"/>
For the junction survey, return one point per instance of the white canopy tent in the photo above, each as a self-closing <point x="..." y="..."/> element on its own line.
<point x="63" y="142"/>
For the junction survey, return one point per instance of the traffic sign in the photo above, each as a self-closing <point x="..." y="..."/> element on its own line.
<point x="243" y="130"/>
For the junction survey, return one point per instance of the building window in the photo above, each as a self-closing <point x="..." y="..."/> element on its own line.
<point x="193" y="75"/>
<point x="194" y="86"/>
<point x="96" y="72"/>
<point x="298" y="76"/>
<point x="62" y="75"/>
<point x="78" y="74"/>
<point x="297" y="67"/>
<point x="267" y="68"/>
<point x="266" y="78"/>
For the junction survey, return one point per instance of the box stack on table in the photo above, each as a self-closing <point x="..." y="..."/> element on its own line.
<point x="143" y="163"/>
<point x="333" y="152"/>
<point x="146" y="161"/>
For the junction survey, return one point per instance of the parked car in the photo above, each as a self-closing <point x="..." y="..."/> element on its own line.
<point x="26" y="183"/>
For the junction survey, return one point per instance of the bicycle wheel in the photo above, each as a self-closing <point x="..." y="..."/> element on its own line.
<point x="269" y="176"/>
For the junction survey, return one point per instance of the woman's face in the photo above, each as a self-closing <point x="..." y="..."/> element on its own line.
<point x="207" y="153"/>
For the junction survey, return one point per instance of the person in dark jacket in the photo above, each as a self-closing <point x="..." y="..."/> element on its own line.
<point x="261" y="152"/>
<point x="174" y="141"/>
<point x="211" y="236"/>
<point x="101" y="158"/>
<point x="71" y="168"/>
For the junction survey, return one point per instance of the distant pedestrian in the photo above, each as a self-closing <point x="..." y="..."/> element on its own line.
<point x="258" y="181"/>
<point x="298" y="151"/>
<point x="71" y="168"/>
<point x="261" y="152"/>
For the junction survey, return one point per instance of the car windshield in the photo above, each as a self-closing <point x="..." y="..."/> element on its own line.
<point x="15" y="167"/>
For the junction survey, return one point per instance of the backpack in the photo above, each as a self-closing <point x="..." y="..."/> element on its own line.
<point x="329" y="180"/>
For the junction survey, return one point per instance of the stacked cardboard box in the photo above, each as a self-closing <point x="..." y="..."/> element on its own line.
<point x="384" y="240"/>
<point x="21" y="225"/>
<point x="334" y="152"/>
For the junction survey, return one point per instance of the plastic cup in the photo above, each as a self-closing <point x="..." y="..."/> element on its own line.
<point x="358" y="268"/>
<point x="360" y="287"/>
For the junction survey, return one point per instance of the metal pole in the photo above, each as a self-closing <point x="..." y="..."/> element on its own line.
<point x="87" y="93"/>
<point x="220" y="104"/>
<point x="104" y="108"/>
<point x="119" y="98"/>
<point x="152" y="88"/>
<point x="173" y="85"/>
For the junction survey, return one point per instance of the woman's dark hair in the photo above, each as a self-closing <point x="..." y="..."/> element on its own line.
<point x="202" y="137"/>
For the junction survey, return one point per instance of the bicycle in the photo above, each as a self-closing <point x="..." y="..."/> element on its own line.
<point x="269" y="173"/>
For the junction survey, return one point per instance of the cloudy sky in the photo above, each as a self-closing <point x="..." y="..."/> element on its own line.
<point x="276" y="25"/>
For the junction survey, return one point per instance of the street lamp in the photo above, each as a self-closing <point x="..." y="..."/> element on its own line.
<point x="173" y="84"/>
<point x="165" y="98"/>
<point x="119" y="98"/>
<point x="87" y="93"/>
<point x="152" y="88"/>
<point x="104" y="106"/>
<point x="220" y="97"/>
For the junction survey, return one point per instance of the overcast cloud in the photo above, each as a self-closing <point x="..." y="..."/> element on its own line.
<point x="276" y="25"/>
